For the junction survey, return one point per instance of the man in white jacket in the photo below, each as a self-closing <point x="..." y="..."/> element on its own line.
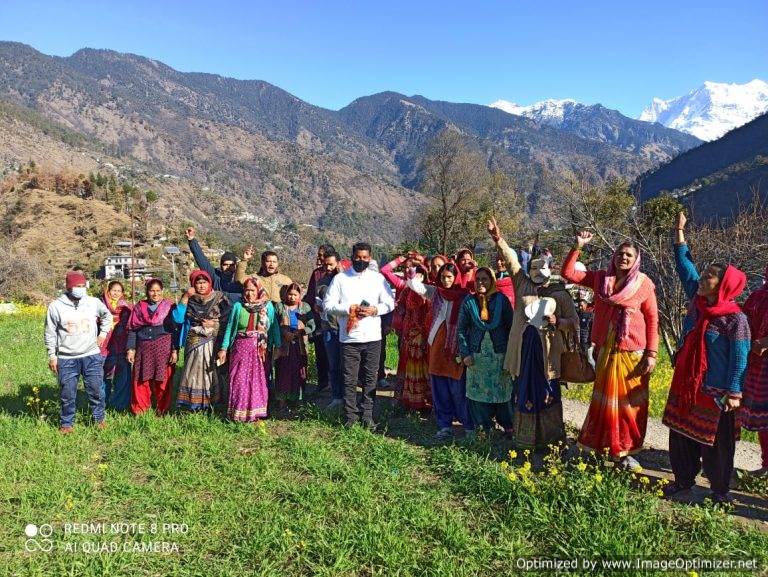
<point x="75" y="327"/>
<point x="357" y="298"/>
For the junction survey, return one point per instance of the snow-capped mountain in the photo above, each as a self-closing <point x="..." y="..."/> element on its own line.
<point x="712" y="109"/>
<point x="549" y="111"/>
<point x="596" y="122"/>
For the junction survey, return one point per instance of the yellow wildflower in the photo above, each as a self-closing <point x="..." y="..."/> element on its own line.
<point x="511" y="476"/>
<point x="582" y="467"/>
<point x="504" y="465"/>
<point x="598" y="477"/>
<point x="645" y="480"/>
<point x="554" y="471"/>
<point x="512" y="454"/>
<point x="103" y="466"/>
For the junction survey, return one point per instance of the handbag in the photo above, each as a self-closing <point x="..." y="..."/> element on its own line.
<point x="574" y="365"/>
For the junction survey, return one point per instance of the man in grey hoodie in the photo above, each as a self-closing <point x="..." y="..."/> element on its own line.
<point x="75" y="327"/>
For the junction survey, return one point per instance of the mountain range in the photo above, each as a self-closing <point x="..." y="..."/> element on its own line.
<point x="227" y="154"/>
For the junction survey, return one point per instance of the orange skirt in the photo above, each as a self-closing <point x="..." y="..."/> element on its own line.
<point x="618" y="412"/>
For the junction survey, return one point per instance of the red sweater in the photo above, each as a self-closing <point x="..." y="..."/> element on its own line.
<point x="643" y="318"/>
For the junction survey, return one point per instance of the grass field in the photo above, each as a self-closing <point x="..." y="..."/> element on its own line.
<point x="308" y="497"/>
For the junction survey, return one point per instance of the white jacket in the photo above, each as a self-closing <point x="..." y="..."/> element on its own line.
<point x="351" y="288"/>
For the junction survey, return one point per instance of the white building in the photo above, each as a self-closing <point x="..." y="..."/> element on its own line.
<point x="119" y="266"/>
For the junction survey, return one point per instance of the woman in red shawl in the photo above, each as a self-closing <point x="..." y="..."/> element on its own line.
<point x="416" y="393"/>
<point x="709" y="374"/>
<point x="116" y="388"/>
<point x="754" y="403"/>
<point x="626" y="337"/>
<point x="153" y="345"/>
<point x="446" y="371"/>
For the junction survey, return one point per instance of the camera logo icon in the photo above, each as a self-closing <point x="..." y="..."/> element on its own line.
<point x="38" y="538"/>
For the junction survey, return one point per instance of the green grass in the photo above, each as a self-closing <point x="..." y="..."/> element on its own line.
<point x="308" y="497"/>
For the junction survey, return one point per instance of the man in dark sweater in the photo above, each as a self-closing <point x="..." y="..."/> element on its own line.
<point x="224" y="276"/>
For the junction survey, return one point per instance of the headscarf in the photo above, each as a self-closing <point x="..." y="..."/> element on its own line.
<point x="691" y="363"/>
<point x="756" y="309"/>
<point x="436" y="279"/>
<point x="623" y="298"/>
<point x="261" y="294"/>
<point x="204" y="307"/>
<point x="142" y="315"/>
<point x="257" y="311"/>
<point x="115" y="307"/>
<point x="121" y="312"/>
<point x="484" y="299"/>
<point x="453" y="295"/>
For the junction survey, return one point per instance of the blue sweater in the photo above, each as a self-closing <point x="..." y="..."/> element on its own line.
<point x="727" y="338"/>
<point x="470" y="336"/>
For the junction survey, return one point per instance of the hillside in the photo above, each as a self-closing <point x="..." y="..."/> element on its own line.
<point x="715" y="178"/>
<point x="249" y="143"/>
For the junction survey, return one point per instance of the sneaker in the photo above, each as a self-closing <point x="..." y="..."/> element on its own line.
<point x="761" y="472"/>
<point x="334" y="404"/>
<point x="444" y="434"/>
<point x="65" y="430"/>
<point x="675" y="488"/>
<point x="631" y="464"/>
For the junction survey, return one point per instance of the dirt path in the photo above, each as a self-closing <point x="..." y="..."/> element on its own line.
<point x="657" y="436"/>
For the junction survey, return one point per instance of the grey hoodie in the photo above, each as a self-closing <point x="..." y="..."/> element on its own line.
<point x="71" y="329"/>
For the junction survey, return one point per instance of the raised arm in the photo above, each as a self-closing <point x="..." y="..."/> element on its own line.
<point x="686" y="268"/>
<point x="568" y="270"/>
<point x="197" y="252"/>
<point x="388" y="271"/>
<point x="507" y="253"/>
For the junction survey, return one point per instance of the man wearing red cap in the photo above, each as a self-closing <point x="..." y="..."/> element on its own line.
<point x="75" y="327"/>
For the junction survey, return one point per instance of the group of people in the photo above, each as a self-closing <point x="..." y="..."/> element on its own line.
<point x="478" y="345"/>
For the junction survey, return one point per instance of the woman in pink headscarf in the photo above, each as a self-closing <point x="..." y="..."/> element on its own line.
<point x="626" y="337"/>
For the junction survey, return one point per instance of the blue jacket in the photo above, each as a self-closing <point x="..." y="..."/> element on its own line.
<point x="470" y="336"/>
<point x="727" y="339"/>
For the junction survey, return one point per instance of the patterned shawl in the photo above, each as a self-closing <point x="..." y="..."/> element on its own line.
<point x="623" y="299"/>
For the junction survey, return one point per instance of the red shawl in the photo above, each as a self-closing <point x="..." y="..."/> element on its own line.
<point x="691" y="363"/>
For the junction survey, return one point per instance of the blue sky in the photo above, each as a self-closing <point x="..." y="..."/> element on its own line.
<point x="619" y="53"/>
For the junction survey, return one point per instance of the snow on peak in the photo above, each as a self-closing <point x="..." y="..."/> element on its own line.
<point x="549" y="111"/>
<point x="711" y="110"/>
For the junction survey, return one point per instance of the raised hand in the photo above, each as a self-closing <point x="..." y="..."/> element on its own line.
<point x="248" y="253"/>
<point x="190" y="232"/>
<point x="584" y="238"/>
<point x="493" y="229"/>
<point x="681" y="220"/>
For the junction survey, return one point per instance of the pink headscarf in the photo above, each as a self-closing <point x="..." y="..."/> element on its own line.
<point x="623" y="299"/>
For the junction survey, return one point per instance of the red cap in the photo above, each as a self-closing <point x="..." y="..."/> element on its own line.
<point x="75" y="278"/>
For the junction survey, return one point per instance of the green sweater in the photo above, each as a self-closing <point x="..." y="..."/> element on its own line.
<point x="238" y="322"/>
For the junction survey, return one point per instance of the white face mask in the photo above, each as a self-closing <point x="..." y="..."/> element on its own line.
<point x="78" y="292"/>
